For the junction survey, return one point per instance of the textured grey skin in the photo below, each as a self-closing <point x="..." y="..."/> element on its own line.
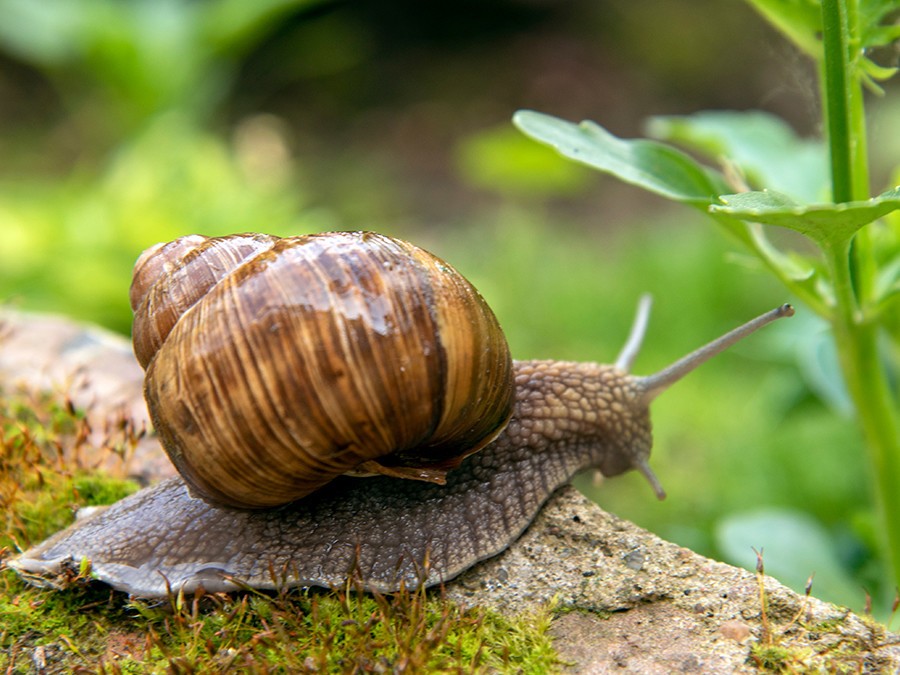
<point x="383" y="532"/>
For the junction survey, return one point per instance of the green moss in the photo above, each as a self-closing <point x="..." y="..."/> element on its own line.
<point x="560" y="610"/>
<point x="826" y="646"/>
<point x="44" y="476"/>
<point x="776" y="658"/>
<point x="294" y="631"/>
<point x="100" y="490"/>
<point x="88" y="628"/>
<point x="831" y="625"/>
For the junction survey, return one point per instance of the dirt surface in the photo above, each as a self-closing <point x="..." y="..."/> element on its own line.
<point x="626" y="601"/>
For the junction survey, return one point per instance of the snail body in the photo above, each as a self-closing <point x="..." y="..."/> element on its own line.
<point x="556" y="418"/>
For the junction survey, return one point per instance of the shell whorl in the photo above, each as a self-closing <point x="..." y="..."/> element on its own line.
<point x="170" y="278"/>
<point x="274" y="365"/>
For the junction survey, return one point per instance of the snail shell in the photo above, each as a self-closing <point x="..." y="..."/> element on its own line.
<point x="274" y="365"/>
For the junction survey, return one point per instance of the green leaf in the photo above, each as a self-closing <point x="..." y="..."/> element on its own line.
<point x="887" y="284"/>
<point x="651" y="165"/>
<point x="876" y="72"/>
<point x="872" y="15"/>
<point x="817" y="358"/>
<point x="799" y="20"/>
<point x="763" y="146"/>
<point x="503" y="160"/>
<point x="826" y="223"/>
<point x="881" y="36"/>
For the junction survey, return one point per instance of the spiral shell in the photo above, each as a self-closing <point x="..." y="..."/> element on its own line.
<point x="275" y="365"/>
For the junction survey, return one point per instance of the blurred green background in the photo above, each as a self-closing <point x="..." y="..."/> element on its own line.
<point x="124" y="123"/>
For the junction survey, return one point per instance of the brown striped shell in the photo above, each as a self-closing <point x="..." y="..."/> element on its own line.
<point x="275" y="365"/>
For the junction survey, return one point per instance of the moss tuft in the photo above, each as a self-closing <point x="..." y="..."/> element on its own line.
<point x="799" y="646"/>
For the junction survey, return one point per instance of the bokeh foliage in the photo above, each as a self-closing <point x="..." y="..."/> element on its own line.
<point x="849" y="277"/>
<point x="167" y="144"/>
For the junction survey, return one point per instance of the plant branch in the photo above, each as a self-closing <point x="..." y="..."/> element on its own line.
<point x="852" y="266"/>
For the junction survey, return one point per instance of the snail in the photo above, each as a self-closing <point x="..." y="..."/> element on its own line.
<point x="438" y="450"/>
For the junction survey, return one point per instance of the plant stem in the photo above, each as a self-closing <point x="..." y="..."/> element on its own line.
<point x="852" y="268"/>
<point x="866" y="380"/>
<point x="835" y="36"/>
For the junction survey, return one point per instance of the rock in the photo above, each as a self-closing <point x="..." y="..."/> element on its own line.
<point x="675" y="612"/>
<point x="93" y="367"/>
<point x="625" y="600"/>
